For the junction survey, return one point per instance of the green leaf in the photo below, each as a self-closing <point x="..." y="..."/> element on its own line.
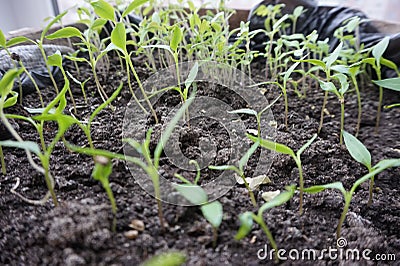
<point x="278" y="23"/>
<point x="246" y="223"/>
<point x="50" y="24"/>
<point x="380" y="48"/>
<point x="103" y="9"/>
<point x="166" y="259"/>
<point x="315" y="62"/>
<point x="290" y="71"/>
<point x="192" y="75"/>
<point x="132" y="6"/>
<point x="246" y="111"/>
<point x="357" y="150"/>
<point x="392" y="83"/>
<point x="193" y="193"/>
<point x="298" y="11"/>
<point x="26" y="145"/>
<point x="38" y="110"/>
<point x="389" y="64"/>
<point x="106" y="103"/>
<point x="66" y="32"/>
<point x="334" y="55"/>
<point x="102" y="170"/>
<point x="12" y="100"/>
<point x="327" y="86"/>
<point x="7" y="81"/>
<point x="379" y="167"/>
<point x="17" y="40"/>
<point x="243" y="161"/>
<point x="170" y="128"/>
<point x="176" y="38"/>
<point x="305" y="146"/>
<point x="213" y="213"/>
<point x="55" y="59"/>
<point x="118" y="36"/>
<point x="98" y="24"/>
<point x="3" y="40"/>
<point x="270" y="145"/>
<point x="223" y="167"/>
<point x="319" y="188"/>
<point x="344" y="83"/>
<point x="282" y="198"/>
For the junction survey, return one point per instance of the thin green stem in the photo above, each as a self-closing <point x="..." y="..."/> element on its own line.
<point x="267" y="232"/>
<point x="353" y="78"/>
<point x="321" y="121"/>
<point x="3" y="162"/>
<point x="252" y="197"/>
<point x="341" y="120"/>
<point x="344" y="213"/>
<point x="378" y="114"/>
<point x="110" y="195"/>
<point x="301" y="184"/>
<point x="49" y="179"/>
<point x="146" y="98"/>
<point x="371" y="188"/>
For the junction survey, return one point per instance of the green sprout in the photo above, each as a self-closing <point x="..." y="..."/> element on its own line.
<point x="6" y="101"/>
<point x="360" y="153"/>
<point x="247" y="218"/>
<point x="151" y="163"/>
<point x="196" y="195"/>
<point x="240" y="169"/>
<point x="101" y="172"/>
<point x="376" y="62"/>
<point x="330" y="87"/>
<point x="170" y="258"/>
<point x="281" y="148"/>
<point x="348" y="195"/>
<point x="326" y="66"/>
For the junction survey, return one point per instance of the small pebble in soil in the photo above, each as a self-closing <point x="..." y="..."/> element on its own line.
<point x="137" y="225"/>
<point x="131" y="234"/>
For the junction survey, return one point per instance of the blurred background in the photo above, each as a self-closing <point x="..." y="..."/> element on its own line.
<point x="20" y="14"/>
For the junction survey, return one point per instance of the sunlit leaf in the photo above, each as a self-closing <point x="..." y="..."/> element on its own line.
<point x="66" y="32"/>
<point x="103" y="9"/>
<point x="132" y="6"/>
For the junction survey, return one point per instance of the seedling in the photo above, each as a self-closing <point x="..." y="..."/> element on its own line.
<point x="149" y="165"/>
<point x="376" y="62"/>
<point x="353" y="71"/>
<point x="196" y="195"/>
<point x="101" y="172"/>
<point x="330" y="87"/>
<point x="6" y="101"/>
<point x="247" y="218"/>
<point x="281" y="148"/>
<point x="348" y="195"/>
<point x="326" y="65"/>
<point x="240" y="169"/>
<point x="28" y="146"/>
<point x="258" y="115"/>
<point x="360" y="153"/>
<point x="283" y="88"/>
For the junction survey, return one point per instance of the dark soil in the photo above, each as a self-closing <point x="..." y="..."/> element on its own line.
<point x="78" y="232"/>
